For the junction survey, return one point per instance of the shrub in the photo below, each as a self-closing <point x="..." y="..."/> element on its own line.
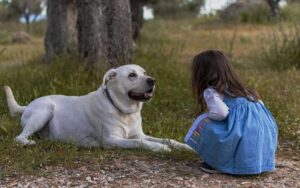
<point x="255" y="14"/>
<point x="246" y="13"/>
<point x="291" y="12"/>
<point x="284" y="50"/>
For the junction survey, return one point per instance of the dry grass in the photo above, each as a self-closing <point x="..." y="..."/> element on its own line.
<point x="246" y="39"/>
<point x="16" y="54"/>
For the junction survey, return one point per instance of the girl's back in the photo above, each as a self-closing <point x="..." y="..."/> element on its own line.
<point x="238" y="134"/>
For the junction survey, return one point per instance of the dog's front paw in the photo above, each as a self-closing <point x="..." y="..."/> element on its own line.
<point x="178" y="145"/>
<point x="25" y="141"/>
<point x="161" y="148"/>
<point x="166" y="148"/>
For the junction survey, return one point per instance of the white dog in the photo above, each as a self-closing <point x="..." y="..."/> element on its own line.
<point x="108" y="117"/>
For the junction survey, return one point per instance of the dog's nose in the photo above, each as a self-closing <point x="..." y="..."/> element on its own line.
<point x="151" y="81"/>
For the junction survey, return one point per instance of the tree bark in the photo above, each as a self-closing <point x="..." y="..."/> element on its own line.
<point x="136" y="7"/>
<point x="61" y="35"/>
<point x="104" y="32"/>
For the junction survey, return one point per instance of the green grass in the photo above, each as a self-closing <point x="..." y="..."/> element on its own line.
<point x="163" y="54"/>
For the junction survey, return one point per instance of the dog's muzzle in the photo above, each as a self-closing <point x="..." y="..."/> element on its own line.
<point x="145" y="96"/>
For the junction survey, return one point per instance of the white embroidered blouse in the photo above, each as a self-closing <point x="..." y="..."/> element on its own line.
<point x="217" y="109"/>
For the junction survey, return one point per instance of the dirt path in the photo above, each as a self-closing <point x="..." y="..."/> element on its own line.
<point x="133" y="171"/>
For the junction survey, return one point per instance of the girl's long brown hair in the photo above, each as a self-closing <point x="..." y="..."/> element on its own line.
<point x="212" y="69"/>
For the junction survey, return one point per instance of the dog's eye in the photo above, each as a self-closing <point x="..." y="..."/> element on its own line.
<point x="132" y="75"/>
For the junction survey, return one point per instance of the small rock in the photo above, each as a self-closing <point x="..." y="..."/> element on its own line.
<point x="146" y="181"/>
<point x="247" y="184"/>
<point x="89" y="179"/>
<point x="110" y="179"/>
<point x="205" y="176"/>
<point x="295" y="158"/>
<point x="178" y="178"/>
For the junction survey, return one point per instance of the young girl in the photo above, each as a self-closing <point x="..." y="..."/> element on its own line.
<point x="238" y="134"/>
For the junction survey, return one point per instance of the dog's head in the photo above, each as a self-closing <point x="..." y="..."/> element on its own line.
<point x="130" y="81"/>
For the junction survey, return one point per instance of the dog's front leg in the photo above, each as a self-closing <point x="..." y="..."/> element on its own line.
<point x="169" y="142"/>
<point x="115" y="141"/>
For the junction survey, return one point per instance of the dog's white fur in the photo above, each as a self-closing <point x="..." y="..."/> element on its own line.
<point x="93" y="120"/>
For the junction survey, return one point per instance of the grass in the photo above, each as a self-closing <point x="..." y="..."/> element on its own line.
<point x="284" y="53"/>
<point x="165" y="54"/>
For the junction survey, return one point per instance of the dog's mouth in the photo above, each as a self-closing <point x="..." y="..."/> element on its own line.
<point x="146" y="96"/>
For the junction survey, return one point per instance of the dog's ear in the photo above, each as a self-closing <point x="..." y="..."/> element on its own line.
<point x="109" y="75"/>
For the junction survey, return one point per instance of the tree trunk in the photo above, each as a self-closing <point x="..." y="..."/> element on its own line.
<point x="274" y="7"/>
<point x="136" y="7"/>
<point x="104" y="32"/>
<point x="61" y="35"/>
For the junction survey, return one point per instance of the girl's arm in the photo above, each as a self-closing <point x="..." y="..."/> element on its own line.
<point x="217" y="109"/>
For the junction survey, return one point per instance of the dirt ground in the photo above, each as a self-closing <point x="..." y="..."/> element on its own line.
<point x="142" y="171"/>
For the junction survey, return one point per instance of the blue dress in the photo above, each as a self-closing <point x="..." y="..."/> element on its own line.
<point x="244" y="143"/>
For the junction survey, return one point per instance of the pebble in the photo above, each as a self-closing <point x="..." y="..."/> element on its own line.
<point x="205" y="176"/>
<point x="178" y="178"/>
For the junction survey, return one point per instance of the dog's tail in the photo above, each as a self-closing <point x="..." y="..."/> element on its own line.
<point x="13" y="106"/>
